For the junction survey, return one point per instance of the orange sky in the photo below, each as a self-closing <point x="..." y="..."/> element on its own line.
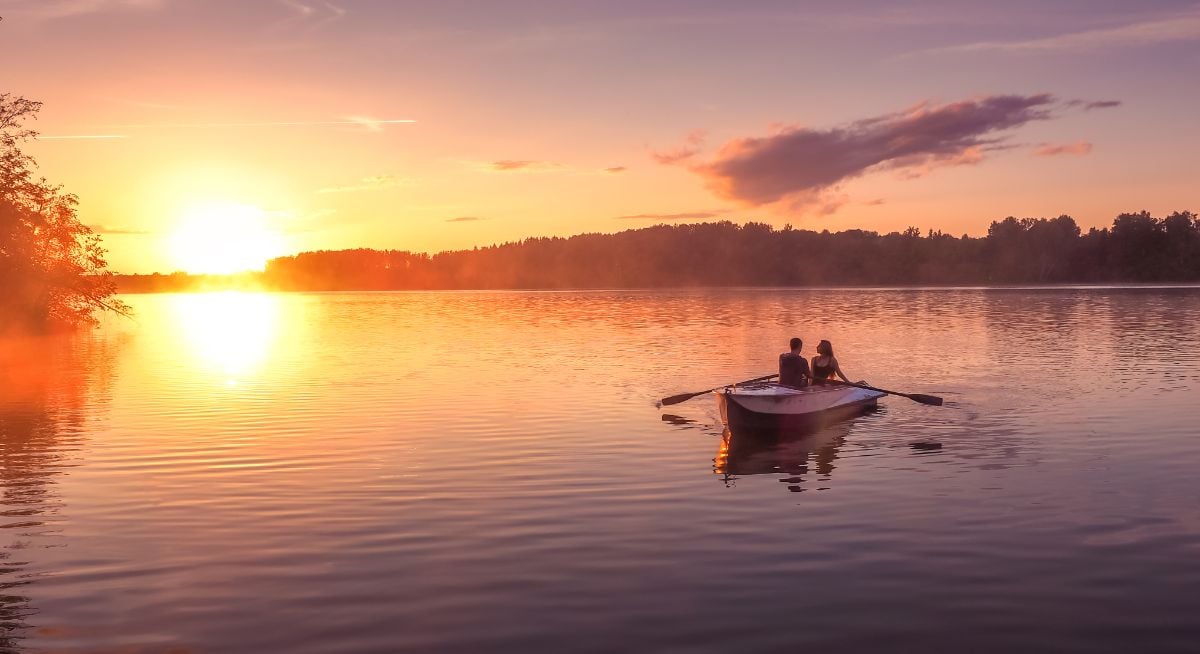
<point x="241" y="130"/>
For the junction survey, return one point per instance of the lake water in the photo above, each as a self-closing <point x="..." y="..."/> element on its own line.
<point x="479" y="472"/>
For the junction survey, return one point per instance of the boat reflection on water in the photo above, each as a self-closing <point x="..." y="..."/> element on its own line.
<point x="804" y="456"/>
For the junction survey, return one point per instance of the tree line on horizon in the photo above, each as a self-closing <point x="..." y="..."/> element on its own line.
<point x="1137" y="248"/>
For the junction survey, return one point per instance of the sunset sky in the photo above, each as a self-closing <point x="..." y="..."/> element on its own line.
<point x="207" y="134"/>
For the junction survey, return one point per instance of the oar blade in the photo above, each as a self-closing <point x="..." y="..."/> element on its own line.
<point x="676" y="399"/>
<point x="931" y="400"/>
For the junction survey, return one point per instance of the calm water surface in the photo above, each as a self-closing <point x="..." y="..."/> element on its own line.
<point x="477" y="472"/>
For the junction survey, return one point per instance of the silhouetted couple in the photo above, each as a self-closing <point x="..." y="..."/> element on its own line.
<point x="795" y="372"/>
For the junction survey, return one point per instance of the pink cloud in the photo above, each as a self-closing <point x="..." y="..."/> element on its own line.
<point x="690" y="148"/>
<point x="691" y="215"/>
<point x="797" y="162"/>
<point x="1051" y="150"/>
<point x="921" y="165"/>
<point x="818" y="202"/>
<point x="519" y="164"/>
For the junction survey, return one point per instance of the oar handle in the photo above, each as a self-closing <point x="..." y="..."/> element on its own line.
<point x="748" y="381"/>
<point x="683" y="397"/>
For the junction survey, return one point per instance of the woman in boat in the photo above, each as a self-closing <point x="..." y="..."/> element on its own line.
<point x="825" y="365"/>
<point x="793" y="368"/>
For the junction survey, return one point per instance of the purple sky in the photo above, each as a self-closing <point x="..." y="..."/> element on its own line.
<point x="537" y="118"/>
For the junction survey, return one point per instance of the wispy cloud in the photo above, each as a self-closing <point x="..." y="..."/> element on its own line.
<point x="307" y="16"/>
<point x="817" y="202"/>
<point x="123" y="231"/>
<point x="875" y="203"/>
<point x="691" y="146"/>
<point x="522" y="165"/>
<point x="510" y="166"/>
<point x="1184" y="27"/>
<point x="373" y="183"/>
<point x="800" y="165"/>
<point x="46" y="10"/>
<point x="79" y="137"/>
<point x="690" y="215"/>
<point x="1094" y="104"/>
<point x="369" y="123"/>
<point x="922" y="165"/>
<point x="464" y="219"/>
<point x="1052" y="150"/>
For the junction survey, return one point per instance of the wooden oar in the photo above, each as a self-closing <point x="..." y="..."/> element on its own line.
<point x="684" y="397"/>
<point x="931" y="400"/>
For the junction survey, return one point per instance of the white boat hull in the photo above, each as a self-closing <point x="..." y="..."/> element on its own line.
<point x="775" y="407"/>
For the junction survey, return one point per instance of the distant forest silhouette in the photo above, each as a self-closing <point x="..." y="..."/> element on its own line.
<point x="1137" y="248"/>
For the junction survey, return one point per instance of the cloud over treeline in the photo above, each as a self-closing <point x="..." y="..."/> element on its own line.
<point x="798" y="165"/>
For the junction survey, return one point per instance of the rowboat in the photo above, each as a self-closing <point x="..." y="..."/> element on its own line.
<point x="774" y="407"/>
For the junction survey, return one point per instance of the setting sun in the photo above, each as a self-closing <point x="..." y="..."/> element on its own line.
<point x="224" y="238"/>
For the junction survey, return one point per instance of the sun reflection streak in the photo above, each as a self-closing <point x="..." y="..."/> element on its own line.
<point x="230" y="333"/>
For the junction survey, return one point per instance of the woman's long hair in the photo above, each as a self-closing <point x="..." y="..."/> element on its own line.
<point x="825" y="348"/>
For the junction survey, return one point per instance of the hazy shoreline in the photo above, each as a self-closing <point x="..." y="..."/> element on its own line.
<point x="1138" y="249"/>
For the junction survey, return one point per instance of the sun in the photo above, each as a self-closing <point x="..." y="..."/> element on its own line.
<point x="223" y="238"/>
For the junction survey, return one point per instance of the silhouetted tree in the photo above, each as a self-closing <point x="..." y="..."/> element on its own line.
<point x="1182" y="254"/>
<point x="1140" y="244"/>
<point x="52" y="268"/>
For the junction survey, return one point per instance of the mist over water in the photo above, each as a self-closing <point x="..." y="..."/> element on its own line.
<point x="487" y="472"/>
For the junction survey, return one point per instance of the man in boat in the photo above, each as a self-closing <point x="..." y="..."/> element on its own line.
<point x="793" y="368"/>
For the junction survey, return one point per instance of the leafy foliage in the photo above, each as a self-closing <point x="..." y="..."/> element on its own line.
<point x="52" y="267"/>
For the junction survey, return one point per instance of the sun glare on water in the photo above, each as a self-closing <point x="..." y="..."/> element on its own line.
<point x="224" y="238"/>
<point x="229" y="334"/>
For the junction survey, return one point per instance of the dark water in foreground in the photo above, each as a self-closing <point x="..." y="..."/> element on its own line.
<point x="487" y="472"/>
